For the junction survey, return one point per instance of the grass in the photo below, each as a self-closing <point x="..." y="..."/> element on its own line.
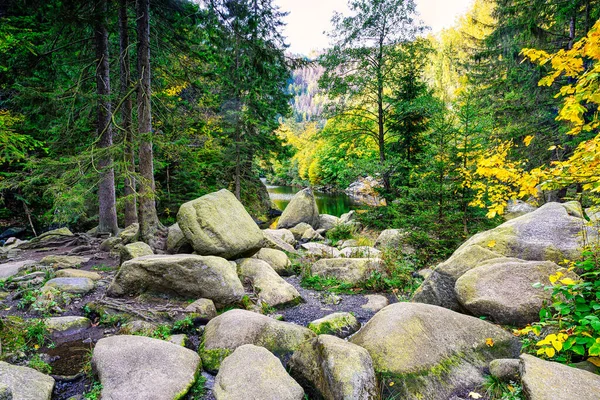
<point x="40" y="365"/>
<point x="103" y="268"/>
<point x="94" y="392"/>
<point x="197" y="391"/>
<point x="499" y="390"/>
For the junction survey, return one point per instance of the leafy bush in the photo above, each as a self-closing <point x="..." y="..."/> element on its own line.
<point x="38" y="364"/>
<point x="341" y="232"/>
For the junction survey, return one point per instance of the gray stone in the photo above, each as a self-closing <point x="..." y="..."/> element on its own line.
<point x="320" y="250"/>
<point x="284" y="234"/>
<point x="70" y="285"/>
<point x="302" y="208"/>
<point x="311" y="235"/>
<point x="252" y="372"/>
<point x="13" y="268"/>
<point x="138" y="327"/>
<point x="217" y="224"/>
<point x="431" y="352"/>
<point x="360" y="252"/>
<point x="25" y="383"/>
<point x="178" y="340"/>
<point x="299" y="230"/>
<point x="545" y="380"/>
<point x="270" y="288"/>
<point x="274" y="242"/>
<point x="67" y="325"/>
<point x="177" y="243"/>
<point x="182" y="275"/>
<point x="277" y="259"/>
<point x="130" y="234"/>
<point x="141" y="368"/>
<point x="517" y="208"/>
<point x="135" y="250"/>
<point x="235" y="328"/>
<point x="340" y="324"/>
<point x="205" y="308"/>
<point x="375" y="302"/>
<point x="394" y="239"/>
<point x="63" y="262"/>
<point x="348" y="217"/>
<point x="333" y="369"/>
<point x="78" y="273"/>
<point x="348" y="270"/>
<point x="328" y="222"/>
<point x="505" y="369"/>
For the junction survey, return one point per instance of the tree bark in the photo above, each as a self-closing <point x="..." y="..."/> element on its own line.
<point x="130" y="195"/>
<point x="107" y="216"/>
<point x="381" y="116"/>
<point x="148" y="217"/>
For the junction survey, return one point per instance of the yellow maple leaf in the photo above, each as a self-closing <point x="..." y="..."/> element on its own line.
<point x="491" y="244"/>
<point x="528" y="140"/>
<point x="550" y="351"/>
<point x="490" y="342"/>
<point x="567" y="281"/>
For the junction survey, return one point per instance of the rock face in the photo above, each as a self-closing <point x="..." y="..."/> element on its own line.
<point x="302" y="208"/>
<point x="135" y="250"/>
<point x="140" y="368"/>
<point x="502" y="289"/>
<point x="235" y="328"/>
<point x="177" y="242"/>
<point x="217" y="224"/>
<point x="550" y="233"/>
<point x="188" y="276"/>
<point x="545" y="380"/>
<point x="332" y="369"/>
<point x="340" y="324"/>
<point x="277" y="259"/>
<point x="70" y="285"/>
<point x="271" y="288"/>
<point x="430" y="352"/>
<point x="252" y="372"/>
<point x="348" y="270"/>
<point x="328" y="222"/>
<point x="25" y="383"/>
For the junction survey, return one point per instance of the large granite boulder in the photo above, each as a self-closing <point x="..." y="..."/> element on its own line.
<point x="545" y="380"/>
<point x="550" y="233"/>
<point x="25" y="383"/>
<point x="425" y="351"/>
<point x="235" y="328"/>
<point x="252" y="372"/>
<point x="177" y="243"/>
<point x="277" y="259"/>
<point x="141" y="368"/>
<point x="302" y="208"/>
<point x="183" y="275"/>
<point x="348" y="270"/>
<point x="333" y="369"/>
<point x="217" y="224"/>
<point x="503" y="289"/>
<point x="269" y="286"/>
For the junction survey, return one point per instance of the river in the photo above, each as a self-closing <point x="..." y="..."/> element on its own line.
<point x="332" y="204"/>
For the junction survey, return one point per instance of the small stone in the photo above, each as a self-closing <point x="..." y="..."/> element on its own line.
<point x="135" y="250"/>
<point x="70" y="285"/>
<point x="375" y="302"/>
<point x="340" y="324"/>
<point x="63" y="262"/>
<point x="130" y="234"/>
<point x="67" y="325"/>
<point x="205" y="308"/>
<point x="12" y="268"/>
<point x="505" y="369"/>
<point x="78" y="273"/>
<point x="138" y="327"/>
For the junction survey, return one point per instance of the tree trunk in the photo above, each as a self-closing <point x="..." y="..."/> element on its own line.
<point x="107" y="216"/>
<point x="149" y="224"/>
<point x="381" y="117"/>
<point x="130" y="196"/>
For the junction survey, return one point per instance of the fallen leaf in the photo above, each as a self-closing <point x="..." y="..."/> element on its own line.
<point x="491" y="244"/>
<point x="490" y="342"/>
<point x="595" y="361"/>
<point x="475" y="395"/>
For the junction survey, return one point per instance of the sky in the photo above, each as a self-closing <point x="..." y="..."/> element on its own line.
<point x="308" y="19"/>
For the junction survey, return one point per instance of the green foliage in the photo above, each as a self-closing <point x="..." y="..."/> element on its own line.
<point x="94" y="391"/>
<point x="38" y="364"/>
<point x="333" y="285"/>
<point x="499" y="390"/>
<point x="198" y="391"/>
<point x="22" y="335"/>
<point x="341" y="232"/>
<point x="184" y="325"/>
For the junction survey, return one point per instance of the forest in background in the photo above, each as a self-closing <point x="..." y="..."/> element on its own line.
<point x="225" y="104"/>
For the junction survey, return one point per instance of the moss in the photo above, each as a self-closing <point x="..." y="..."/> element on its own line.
<point x="212" y="358"/>
<point x="195" y="387"/>
<point x="332" y="324"/>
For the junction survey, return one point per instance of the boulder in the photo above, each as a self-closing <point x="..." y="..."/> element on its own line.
<point x="135" y="250"/>
<point x="25" y="383"/>
<point x="53" y="234"/>
<point x="270" y="288"/>
<point x="252" y="372"/>
<point x="302" y="208"/>
<point x="394" y="239"/>
<point x="274" y="242"/>
<point x="138" y="327"/>
<point x="348" y="243"/>
<point x="505" y="369"/>
<point x="430" y="352"/>
<point x="217" y="224"/>
<point x="13" y="268"/>
<point x="70" y="285"/>
<point x="299" y="230"/>
<point x="549" y="233"/>
<point x="283" y="234"/>
<point x="340" y="324"/>
<point x="348" y="217"/>
<point x="235" y="328"/>
<point x="375" y="302"/>
<point x="140" y="368"/>
<point x="502" y="289"/>
<point x="182" y="275"/>
<point x="517" y="208"/>
<point x="348" y="270"/>
<point x="62" y="262"/>
<point x="78" y="273"/>
<point x="205" y="308"/>
<point x="545" y="380"/>
<point x="333" y="369"/>
<point x="5" y="392"/>
<point x="177" y="243"/>
<point x="310" y="234"/>
<point x="320" y="250"/>
<point x="130" y="234"/>
<point x="277" y="259"/>
<point x="328" y="222"/>
<point x="360" y="252"/>
<point x="63" y="326"/>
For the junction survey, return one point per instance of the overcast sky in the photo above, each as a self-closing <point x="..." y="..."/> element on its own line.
<point x="308" y="19"/>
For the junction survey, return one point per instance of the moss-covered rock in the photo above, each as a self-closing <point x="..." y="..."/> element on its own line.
<point x="270" y="288"/>
<point x="348" y="270"/>
<point x="67" y="325"/>
<point x="320" y="250"/>
<point x="135" y="250"/>
<point x="217" y="224"/>
<point x="78" y="273"/>
<point x="183" y="275"/>
<point x="545" y="380"/>
<point x="505" y="369"/>
<point x="283" y="234"/>
<point x="235" y="328"/>
<point x="203" y="308"/>
<point x="328" y="222"/>
<point x="70" y="285"/>
<point x="300" y="229"/>
<point x="26" y="383"/>
<point x="130" y="234"/>
<point x="302" y="208"/>
<point x="333" y="369"/>
<point x="340" y="324"/>
<point x="252" y="372"/>
<point x="272" y="241"/>
<point x="429" y="352"/>
<point x="62" y="262"/>
<point x="396" y="239"/>
<point x="277" y="259"/>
